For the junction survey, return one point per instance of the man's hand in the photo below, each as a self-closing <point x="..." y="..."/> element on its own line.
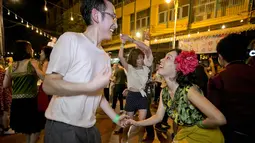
<point x="123" y="120"/>
<point x="132" y="122"/>
<point x="101" y="80"/>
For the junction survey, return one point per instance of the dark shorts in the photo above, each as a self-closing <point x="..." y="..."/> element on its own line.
<point x="57" y="132"/>
<point x="135" y="101"/>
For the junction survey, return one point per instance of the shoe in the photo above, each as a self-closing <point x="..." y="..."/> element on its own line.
<point x="9" y="132"/>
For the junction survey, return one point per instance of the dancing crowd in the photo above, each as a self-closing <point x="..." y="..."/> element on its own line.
<point x="73" y="75"/>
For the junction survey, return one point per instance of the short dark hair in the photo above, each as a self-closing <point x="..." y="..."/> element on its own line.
<point x="20" y="50"/>
<point x="233" y="47"/>
<point x="87" y="7"/>
<point x="133" y="56"/>
<point x="47" y="51"/>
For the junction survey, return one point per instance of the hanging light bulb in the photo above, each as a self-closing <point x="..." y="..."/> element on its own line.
<point x="27" y="25"/>
<point x="241" y="20"/>
<point x="9" y="12"/>
<point x="21" y="20"/>
<point x="51" y="38"/>
<point x="188" y="35"/>
<point x="40" y="32"/>
<point x="45" y="6"/>
<point x="197" y="32"/>
<point x="71" y="18"/>
<point x="16" y="17"/>
<point x="32" y="27"/>
<point x="209" y="29"/>
<point x="223" y="26"/>
<point x="37" y="31"/>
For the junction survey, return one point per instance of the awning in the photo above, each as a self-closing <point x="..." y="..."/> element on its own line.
<point x="226" y="31"/>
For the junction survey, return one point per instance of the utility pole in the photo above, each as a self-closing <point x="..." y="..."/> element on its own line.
<point x="1" y="29"/>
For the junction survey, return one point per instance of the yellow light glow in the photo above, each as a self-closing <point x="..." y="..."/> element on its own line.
<point x="45" y="8"/>
<point x="167" y="1"/>
<point x="138" y="34"/>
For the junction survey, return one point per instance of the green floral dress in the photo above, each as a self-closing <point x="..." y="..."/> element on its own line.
<point x="180" y="109"/>
<point x="186" y="115"/>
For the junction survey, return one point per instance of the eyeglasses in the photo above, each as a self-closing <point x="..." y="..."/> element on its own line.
<point x="114" y="17"/>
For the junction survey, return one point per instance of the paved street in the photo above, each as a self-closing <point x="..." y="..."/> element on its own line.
<point x="104" y="124"/>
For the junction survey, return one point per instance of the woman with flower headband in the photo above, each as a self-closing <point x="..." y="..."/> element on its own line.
<point x="197" y="118"/>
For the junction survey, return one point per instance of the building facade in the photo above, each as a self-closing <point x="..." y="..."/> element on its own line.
<point x="197" y="20"/>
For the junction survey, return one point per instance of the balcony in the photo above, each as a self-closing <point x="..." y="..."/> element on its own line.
<point x="209" y="9"/>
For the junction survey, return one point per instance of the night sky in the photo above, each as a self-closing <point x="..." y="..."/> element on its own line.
<point x="31" y="11"/>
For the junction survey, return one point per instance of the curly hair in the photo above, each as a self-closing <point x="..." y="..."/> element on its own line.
<point x="133" y="56"/>
<point x="198" y="77"/>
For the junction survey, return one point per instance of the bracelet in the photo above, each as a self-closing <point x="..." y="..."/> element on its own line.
<point x="200" y="125"/>
<point x="116" y="119"/>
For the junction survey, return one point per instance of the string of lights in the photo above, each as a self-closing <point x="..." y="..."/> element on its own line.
<point x="27" y="24"/>
<point x="71" y="13"/>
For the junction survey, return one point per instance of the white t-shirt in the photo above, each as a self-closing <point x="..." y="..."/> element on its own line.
<point x="137" y="78"/>
<point x="78" y="60"/>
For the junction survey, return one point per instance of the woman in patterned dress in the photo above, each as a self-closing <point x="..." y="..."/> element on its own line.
<point x="198" y="119"/>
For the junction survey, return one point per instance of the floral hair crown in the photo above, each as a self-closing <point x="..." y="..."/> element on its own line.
<point x="186" y="62"/>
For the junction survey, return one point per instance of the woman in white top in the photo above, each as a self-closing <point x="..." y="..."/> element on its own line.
<point x="137" y="68"/>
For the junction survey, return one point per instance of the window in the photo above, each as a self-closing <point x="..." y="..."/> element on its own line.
<point x="117" y="3"/>
<point x="119" y="29"/>
<point x="235" y="2"/>
<point x="132" y="22"/>
<point x="142" y="19"/>
<point x="183" y="11"/>
<point x="203" y="10"/>
<point x="162" y="13"/>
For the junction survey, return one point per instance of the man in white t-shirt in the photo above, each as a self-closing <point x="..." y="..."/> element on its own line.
<point x="78" y="71"/>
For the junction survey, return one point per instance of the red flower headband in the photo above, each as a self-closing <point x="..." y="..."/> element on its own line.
<point x="186" y="62"/>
